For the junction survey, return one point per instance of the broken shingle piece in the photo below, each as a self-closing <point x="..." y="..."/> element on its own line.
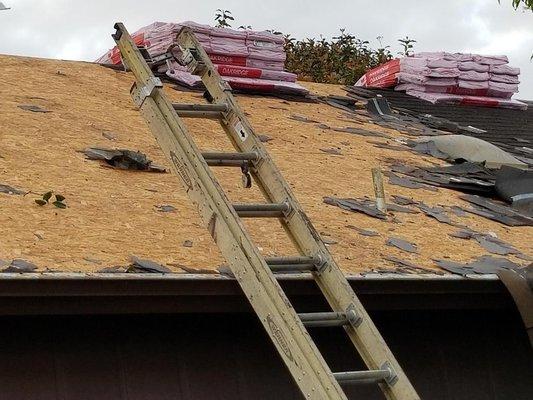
<point x="123" y="159"/>
<point x="463" y="234"/>
<point x="486" y="264"/>
<point x="402" y="244"/>
<point x="141" y="265"/>
<point x="407" y="182"/>
<point x="436" y="212"/>
<point x="19" y="265"/>
<point x="458" y="211"/>
<point x="10" y="190"/>
<point x="411" y="267"/>
<point x="397" y="208"/>
<point x="303" y="118"/>
<point x="363" y="232"/>
<point x="454" y="267"/>
<point x="356" y="205"/>
<point x="33" y="108"/>
<point x="165" y="208"/>
<point x="264" y="138"/>
<point x="403" y="201"/>
<point x="335" y="152"/>
<point x="495" y="245"/>
<point x="490" y="265"/>
<point x="496" y="211"/>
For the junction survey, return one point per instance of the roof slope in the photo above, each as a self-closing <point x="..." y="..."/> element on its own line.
<point x="508" y="129"/>
<point x="113" y="213"/>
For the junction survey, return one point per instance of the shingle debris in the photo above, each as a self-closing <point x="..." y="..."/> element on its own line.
<point x="489" y="242"/>
<point x="402" y="244"/>
<point x="33" y="108"/>
<point x="165" y="208"/>
<point x="146" y="266"/>
<point x="123" y="159"/>
<point x="19" y="265"/>
<point x="367" y="206"/>
<point x="264" y="138"/>
<point x="356" y="205"/>
<point x="485" y="264"/>
<point x="303" y="118"/>
<point x="496" y="211"/>
<point x="409" y="267"/>
<point x="363" y="232"/>
<point x="333" y="151"/>
<point x="10" y="190"/>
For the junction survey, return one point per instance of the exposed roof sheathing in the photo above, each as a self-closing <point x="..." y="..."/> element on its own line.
<point x="113" y="213"/>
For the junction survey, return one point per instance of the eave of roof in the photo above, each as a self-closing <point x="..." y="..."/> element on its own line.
<point x="94" y="293"/>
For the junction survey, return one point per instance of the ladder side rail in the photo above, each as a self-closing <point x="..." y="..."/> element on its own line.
<point x="363" y="333"/>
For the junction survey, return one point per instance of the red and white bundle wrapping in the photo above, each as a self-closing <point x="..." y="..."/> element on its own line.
<point x="454" y="78"/>
<point x="248" y="60"/>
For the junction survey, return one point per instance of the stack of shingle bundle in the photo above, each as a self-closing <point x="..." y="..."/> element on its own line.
<point x="248" y="60"/>
<point x="455" y="78"/>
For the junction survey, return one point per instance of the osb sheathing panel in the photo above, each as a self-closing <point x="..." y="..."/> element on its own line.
<point x="112" y="213"/>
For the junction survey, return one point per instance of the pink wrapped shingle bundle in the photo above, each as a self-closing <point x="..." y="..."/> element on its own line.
<point x="461" y="78"/>
<point x="249" y="60"/>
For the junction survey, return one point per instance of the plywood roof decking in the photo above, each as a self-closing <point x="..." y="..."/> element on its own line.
<point x="112" y="214"/>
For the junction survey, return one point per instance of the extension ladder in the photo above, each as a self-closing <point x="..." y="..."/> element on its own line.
<point x="255" y="273"/>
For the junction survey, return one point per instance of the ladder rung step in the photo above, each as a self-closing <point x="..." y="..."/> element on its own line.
<point x="213" y="111"/>
<point x="229" y="159"/>
<point x="363" y="377"/>
<point x="288" y="264"/>
<point x="323" y="319"/>
<point x="270" y="210"/>
<point x="200" y="114"/>
<point x="231" y="156"/>
<point x="200" y="107"/>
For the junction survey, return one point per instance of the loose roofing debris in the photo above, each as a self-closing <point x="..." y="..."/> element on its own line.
<point x="466" y="148"/>
<point x="507" y="129"/>
<point x="17" y="265"/>
<point x="123" y="159"/>
<point x="113" y="213"/>
<point x="10" y="189"/>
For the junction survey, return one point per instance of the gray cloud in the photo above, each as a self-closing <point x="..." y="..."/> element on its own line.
<point x="81" y="30"/>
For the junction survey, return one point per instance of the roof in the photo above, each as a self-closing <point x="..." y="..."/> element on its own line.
<point x="509" y="129"/>
<point x="113" y="214"/>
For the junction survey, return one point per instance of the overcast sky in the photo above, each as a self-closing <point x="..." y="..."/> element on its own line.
<point x="80" y="29"/>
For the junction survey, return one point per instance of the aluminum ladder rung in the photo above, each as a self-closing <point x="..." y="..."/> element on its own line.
<point x="323" y="319"/>
<point x="269" y="210"/>
<point x="210" y="111"/>
<point x="230" y="159"/>
<point x="292" y="264"/>
<point x="366" y="377"/>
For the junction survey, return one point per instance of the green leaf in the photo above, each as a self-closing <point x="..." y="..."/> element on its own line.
<point x="60" y="197"/>
<point x="59" y="204"/>
<point x="47" y="196"/>
<point x="41" y="202"/>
